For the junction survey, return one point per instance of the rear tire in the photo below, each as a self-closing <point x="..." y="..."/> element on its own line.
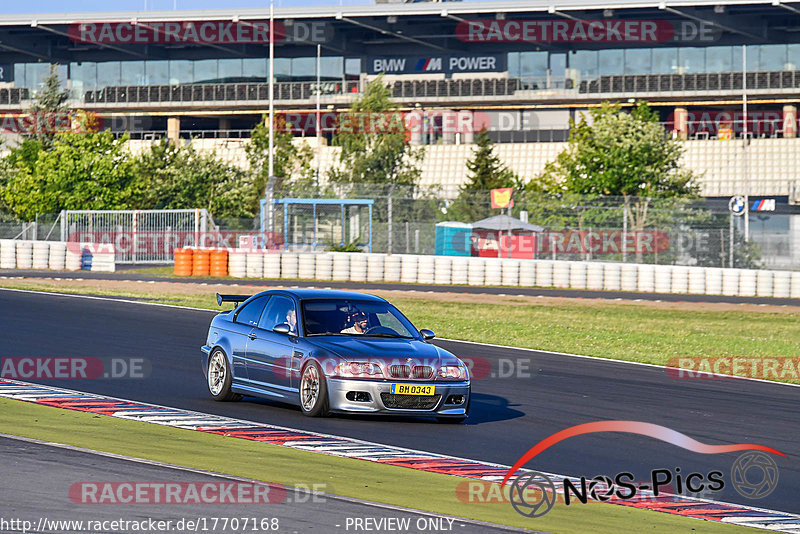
<point x="313" y="391"/>
<point x="219" y="377"/>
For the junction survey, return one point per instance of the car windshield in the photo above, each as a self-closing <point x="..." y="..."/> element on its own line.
<point x="347" y="317"/>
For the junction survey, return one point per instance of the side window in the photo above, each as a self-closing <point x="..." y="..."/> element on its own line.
<point x="279" y="310"/>
<point x="250" y="312"/>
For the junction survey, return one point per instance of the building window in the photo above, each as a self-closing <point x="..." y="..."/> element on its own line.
<point x="132" y="73"/>
<point x="533" y="64"/>
<point x="108" y="74"/>
<point x="719" y="59"/>
<point x="665" y="60"/>
<point x="585" y="62"/>
<point x="611" y="62"/>
<point x="254" y="69"/>
<point x="638" y="61"/>
<point x="157" y="72"/>
<point x="230" y="70"/>
<point x="771" y="57"/>
<point x="182" y="71"/>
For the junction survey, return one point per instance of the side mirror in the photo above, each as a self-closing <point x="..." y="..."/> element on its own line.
<point x="427" y="334"/>
<point x="282" y="328"/>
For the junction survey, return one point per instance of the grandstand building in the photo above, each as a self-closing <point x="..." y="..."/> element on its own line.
<point x="519" y="70"/>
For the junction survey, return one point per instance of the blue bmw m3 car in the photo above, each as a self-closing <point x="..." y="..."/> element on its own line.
<point x="331" y="352"/>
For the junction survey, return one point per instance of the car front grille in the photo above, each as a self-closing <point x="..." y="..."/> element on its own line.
<point x="422" y="371"/>
<point x="410" y="402"/>
<point x="400" y="371"/>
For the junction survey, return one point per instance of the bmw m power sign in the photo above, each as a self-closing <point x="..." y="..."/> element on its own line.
<point x="446" y="64"/>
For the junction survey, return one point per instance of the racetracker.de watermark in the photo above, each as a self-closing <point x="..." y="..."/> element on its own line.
<point x="729" y="367"/>
<point x="73" y="367"/>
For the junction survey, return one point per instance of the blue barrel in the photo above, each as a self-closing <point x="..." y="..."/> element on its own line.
<point x="453" y="239"/>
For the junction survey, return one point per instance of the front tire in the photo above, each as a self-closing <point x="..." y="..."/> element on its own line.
<point x="219" y="377"/>
<point x="313" y="391"/>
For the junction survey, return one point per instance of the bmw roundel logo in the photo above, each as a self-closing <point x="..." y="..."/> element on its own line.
<point x="737" y="205"/>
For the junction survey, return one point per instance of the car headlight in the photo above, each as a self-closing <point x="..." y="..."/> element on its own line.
<point x="453" y="372"/>
<point x="358" y="370"/>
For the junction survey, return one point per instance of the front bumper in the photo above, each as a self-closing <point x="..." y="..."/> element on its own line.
<point x="338" y="390"/>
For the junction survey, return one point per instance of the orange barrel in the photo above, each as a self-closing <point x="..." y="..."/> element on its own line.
<point x="183" y="261"/>
<point x="201" y="263"/>
<point x="219" y="263"/>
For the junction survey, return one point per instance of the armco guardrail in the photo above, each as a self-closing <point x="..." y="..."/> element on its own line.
<point x="409" y="268"/>
<point x="57" y="256"/>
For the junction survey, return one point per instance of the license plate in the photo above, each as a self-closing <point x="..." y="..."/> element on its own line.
<point x="412" y="389"/>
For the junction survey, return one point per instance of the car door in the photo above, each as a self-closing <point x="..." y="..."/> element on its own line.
<point x="245" y="320"/>
<point x="269" y="354"/>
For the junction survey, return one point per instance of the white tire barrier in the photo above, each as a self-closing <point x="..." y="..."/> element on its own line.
<point x="392" y="268"/>
<point x="358" y="267"/>
<point x="41" y="254"/>
<point x="544" y="273"/>
<point x="493" y="274"/>
<point x="237" y="264"/>
<point x="628" y="276"/>
<point x="680" y="280"/>
<point x="443" y="268"/>
<point x="459" y="271"/>
<point x="8" y="254"/>
<point x="408" y="269"/>
<point x="527" y="273"/>
<point x="795" y="285"/>
<point x="476" y="271"/>
<point x="561" y="274"/>
<point x="375" y="267"/>
<point x="288" y="265"/>
<point x="646" y="279"/>
<point x="72" y="261"/>
<point x="594" y="275"/>
<point x="730" y="282"/>
<point x="306" y="266"/>
<point x="747" y="283"/>
<point x="24" y="254"/>
<point x="255" y="265"/>
<point x="663" y="278"/>
<point x="57" y="259"/>
<point x="764" y="283"/>
<point x="612" y="277"/>
<point x="341" y="265"/>
<point x="272" y="265"/>
<point x="426" y="269"/>
<point x="510" y="272"/>
<point x="323" y="266"/>
<point x="577" y="275"/>
<point x="713" y="280"/>
<point x="781" y="284"/>
<point x="97" y="257"/>
<point x="697" y="281"/>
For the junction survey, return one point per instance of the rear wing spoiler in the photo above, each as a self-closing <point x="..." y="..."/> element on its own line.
<point x="236" y="299"/>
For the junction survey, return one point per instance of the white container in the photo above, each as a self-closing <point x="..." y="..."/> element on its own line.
<point x="795" y="285"/>
<point x="323" y="267"/>
<point x="58" y="256"/>
<point x="510" y="272"/>
<point x="237" y="264"/>
<point x="561" y="274"/>
<point x="24" y="254"/>
<point x="628" y="276"/>
<point x="476" y="271"/>
<point x="306" y="266"/>
<point x="680" y="279"/>
<point x="594" y="275"/>
<point x="459" y="270"/>
<point x="493" y="273"/>
<point x="697" y="280"/>
<point x="408" y="268"/>
<point x="288" y="265"/>
<point x="663" y="278"/>
<point x="358" y="267"/>
<point x="341" y="265"/>
<point x="426" y="269"/>
<point x="612" y="277"/>
<point x="375" y="267"/>
<point x="8" y="254"/>
<point x="781" y="284"/>
<point x="764" y="283"/>
<point x="392" y="268"/>
<point x="713" y="280"/>
<point x="747" y="283"/>
<point x="255" y="265"/>
<point x="646" y="278"/>
<point x="443" y="268"/>
<point x="577" y="275"/>
<point x="41" y="254"/>
<point x="730" y="282"/>
<point x="272" y="265"/>
<point x="527" y="273"/>
<point x="544" y="273"/>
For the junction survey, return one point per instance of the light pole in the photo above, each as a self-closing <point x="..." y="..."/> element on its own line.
<point x="744" y="147"/>
<point x="271" y="166"/>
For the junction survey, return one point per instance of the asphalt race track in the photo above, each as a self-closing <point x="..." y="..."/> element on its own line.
<point x="549" y="393"/>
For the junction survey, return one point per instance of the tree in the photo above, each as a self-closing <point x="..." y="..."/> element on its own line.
<point x="374" y="144"/>
<point x="487" y="172"/>
<point x="622" y="154"/>
<point x="49" y="109"/>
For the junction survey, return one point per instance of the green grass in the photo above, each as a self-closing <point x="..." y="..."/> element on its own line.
<point x="343" y="476"/>
<point x="628" y="332"/>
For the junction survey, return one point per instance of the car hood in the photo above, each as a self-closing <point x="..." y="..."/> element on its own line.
<point x="385" y="349"/>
